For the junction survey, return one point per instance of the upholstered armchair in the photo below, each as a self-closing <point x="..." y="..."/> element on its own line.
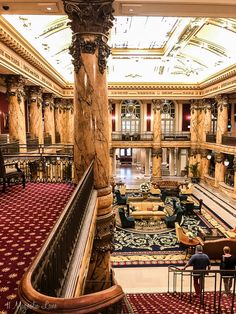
<point x="177" y="217"/>
<point x="7" y="173"/>
<point x="199" y="206"/>
<point x="121" y="200"/>
<point x="126" y="222"/>
<point x="187" y="240"/>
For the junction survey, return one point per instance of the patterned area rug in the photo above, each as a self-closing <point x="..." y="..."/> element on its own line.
<point x="156" y="245"/>
<point x="26" y="218"/>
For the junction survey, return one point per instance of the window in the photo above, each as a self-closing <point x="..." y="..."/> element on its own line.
<point x="130" y="116"/>
<point x="167" y="117"/>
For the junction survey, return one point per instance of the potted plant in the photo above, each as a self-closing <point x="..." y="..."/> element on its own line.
<point x="193" y="168"/>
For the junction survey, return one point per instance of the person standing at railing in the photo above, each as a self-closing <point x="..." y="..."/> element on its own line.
<point x="227" y="262"/>
<point x="199" y="261"/>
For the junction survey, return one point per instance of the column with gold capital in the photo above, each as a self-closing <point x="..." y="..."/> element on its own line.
<point x="204" y="163"/>
<point x="222" y="117"/>
<point x="15" y="89"/>
<point x="35" y="113"/>
<point x="91" y="21"/>
<point x="156" y="150"/>
<point x="194" y="123"/>
<point x="49" y="120"/>
<point x="219" y="168"/>
<point x="207" y="118"/>
<point x="70" y="122"/>
<point x="57" y="119"/>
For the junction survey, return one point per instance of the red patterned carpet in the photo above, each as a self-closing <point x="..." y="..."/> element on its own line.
<point x="166" y="303"/>
<point x="26" y="218"/>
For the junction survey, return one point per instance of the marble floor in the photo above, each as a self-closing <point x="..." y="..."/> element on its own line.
<point x="155" y="279"/>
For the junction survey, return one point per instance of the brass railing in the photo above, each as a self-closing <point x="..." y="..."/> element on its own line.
<point x="180" y="281"/>
<point x="119" y="136"/>
<point x="52" y="163"/>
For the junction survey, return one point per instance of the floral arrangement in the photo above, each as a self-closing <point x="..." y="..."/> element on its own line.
<point x="144" y="187"/>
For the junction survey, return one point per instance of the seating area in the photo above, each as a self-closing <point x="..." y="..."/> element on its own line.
<point x="146" y="210"/>
<point x="9" y="171"/>
<point x="126" y="222"/>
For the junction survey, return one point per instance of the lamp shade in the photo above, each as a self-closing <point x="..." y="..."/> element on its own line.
<point x="226" y="162"/>
<point x="209" y="156"/>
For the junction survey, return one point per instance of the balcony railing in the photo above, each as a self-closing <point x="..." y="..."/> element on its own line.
<point x="50" y="285"/>
<point x="211" y="138"/>
<point x="53" y="163"/>
<point x="119" y="136"/>
<point x="229" y="139"/>
<point x="176" y="136"/>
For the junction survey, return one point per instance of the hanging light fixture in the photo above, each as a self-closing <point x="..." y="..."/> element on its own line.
<point x="226" y="162"/>
<point x="209" y="156"/>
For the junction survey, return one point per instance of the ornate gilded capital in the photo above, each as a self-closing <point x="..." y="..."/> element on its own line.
<point x="222" y="101"/>
<point x="156" y="152"/>
<point x="207" y="105"/>
<point x="204" y="153"/>
<point x="193" y="152"/>
<point x="57" y="103"/>
<point x="48" y="100"/>
<point x="156" y="105"/>
<point x="90" y="16"/>
<point x="35" y="95"/>
<point x="219" y="157"/>
<point x="15" y="86"/>
<point x="110" y="102"/>
<point x="105" y="228"/>
<point x="80" y="45"/>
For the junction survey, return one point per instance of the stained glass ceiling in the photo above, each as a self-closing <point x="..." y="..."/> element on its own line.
<point x="144" y="49"/>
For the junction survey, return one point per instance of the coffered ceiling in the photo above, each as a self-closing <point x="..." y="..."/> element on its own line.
<point x="146" y="47"/>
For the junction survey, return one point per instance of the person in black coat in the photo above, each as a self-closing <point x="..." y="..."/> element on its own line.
<point x="227" y="262"/>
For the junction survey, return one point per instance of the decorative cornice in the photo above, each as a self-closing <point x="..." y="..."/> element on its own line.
<point x="22" y="48"/>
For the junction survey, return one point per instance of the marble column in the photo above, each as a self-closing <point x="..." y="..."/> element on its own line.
<point x="156" y="149"/>
<point x="15" y="89"/>
<point x="111" y="172"/>
<point x="222" y="117"/>
<point x="219" y="168"/>
<point x="90" y="23"/>
<point x="57" y="119"/>
<point x="70" y="124"/>
<point x="49" y="121"/>
<point x="204" y="163"/>
<point x="194" y="123"/>
<point x="156" y="164"/>
<point x="207" y="119"/>
<point x="35" y="113"/>
<point x="147" y="162"/>
<point x="171" y="162"/>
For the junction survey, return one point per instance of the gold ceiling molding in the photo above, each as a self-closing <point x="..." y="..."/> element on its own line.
<point x="18" y="44"/>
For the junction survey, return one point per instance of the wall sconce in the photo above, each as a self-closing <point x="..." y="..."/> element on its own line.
<point x="226" y="162"/>
<point x="113" y="118"/>
<point x="209" y="156"/>
<point x="148" y="117"/>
